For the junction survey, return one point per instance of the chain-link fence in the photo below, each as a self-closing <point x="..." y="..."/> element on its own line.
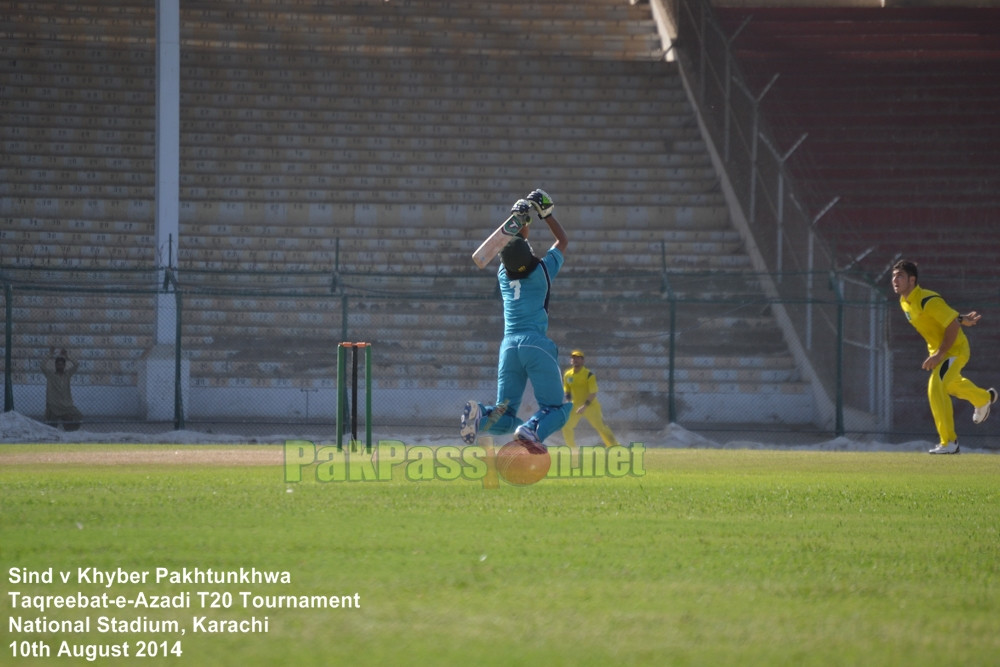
<point x="685" y="347"/>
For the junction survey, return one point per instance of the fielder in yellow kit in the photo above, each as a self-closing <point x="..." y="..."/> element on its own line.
<point x="580" y="387"/>
<point x="941" y="326"/>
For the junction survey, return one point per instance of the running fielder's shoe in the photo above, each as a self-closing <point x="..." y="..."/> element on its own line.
<point x="982" y="412"/>
<point x="470" y="423"/>
<point x="946" y="448"/>
<point x="529" y="438"/>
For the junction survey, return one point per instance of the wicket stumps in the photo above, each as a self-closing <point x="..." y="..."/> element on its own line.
<point x="342" y="394"/>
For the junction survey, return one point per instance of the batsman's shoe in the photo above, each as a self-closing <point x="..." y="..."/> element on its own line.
<point x="470" y="423"/>
<point x="947" y="448"/>
<point x="527" y="435"/>
<point x="982" y="412"/>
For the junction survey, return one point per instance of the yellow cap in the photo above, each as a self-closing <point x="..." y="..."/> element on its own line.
<point x="576" y="353"/>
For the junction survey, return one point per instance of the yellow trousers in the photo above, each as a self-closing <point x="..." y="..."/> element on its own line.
<point x="592" y="413"/>
<point x="946" y="381"/>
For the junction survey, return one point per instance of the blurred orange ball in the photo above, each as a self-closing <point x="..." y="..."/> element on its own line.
<point x="520" y="466"/>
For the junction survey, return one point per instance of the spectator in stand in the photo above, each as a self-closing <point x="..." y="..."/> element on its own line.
<point x="59" y="407"/>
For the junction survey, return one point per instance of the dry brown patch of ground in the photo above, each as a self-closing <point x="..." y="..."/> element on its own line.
<point x="223" y="455"/>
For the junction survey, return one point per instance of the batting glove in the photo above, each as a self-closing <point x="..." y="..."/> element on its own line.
<point x="521" y="210"/>
<point x="542" y="202"/>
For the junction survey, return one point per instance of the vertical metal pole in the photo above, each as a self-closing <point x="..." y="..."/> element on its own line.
<point x="671" y="401"/>
<point x="875" y="381"/>
<point x="368" y="396"/>
<point x="178" y="349"/>
<point x="8" y="372"/>
<point x="810" y="263"/>
<point x="727" y="104"/>
<point x="810" y="255"/>
<point x="703" y="55"/>
<point x="341" y="394"/>
<point x="354" y="394"/>
<point x="727" y="111"/>
<point x="840" y="362"/>
<point x="780" y="245"/>
<point x="754" y="164"/>
<point x="343" y="317"/>
<point x="886" y="365"/>
<point x="167" y="156"/>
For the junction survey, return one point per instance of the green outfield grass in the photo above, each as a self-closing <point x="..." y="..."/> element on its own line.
<point x="709" y="557"/>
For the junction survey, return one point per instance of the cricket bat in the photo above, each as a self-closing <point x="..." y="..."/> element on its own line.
<point x="497" y="241"/>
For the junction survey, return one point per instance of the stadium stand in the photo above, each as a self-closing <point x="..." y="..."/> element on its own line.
<point x="338" y="162"/>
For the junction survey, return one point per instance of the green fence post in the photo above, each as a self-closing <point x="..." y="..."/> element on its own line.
<point x="341" y="394"/>
<point x="368" y="396"/>
<point x="839" y="370"/>
<point x="665" y="288"/>
<point x="8" y="376"/>
<point x="671" y="402"/>
<point x="343" y="317"/>
<point x="178" y="352"/>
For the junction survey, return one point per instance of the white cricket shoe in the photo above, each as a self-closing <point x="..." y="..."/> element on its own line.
<point x="947" y="448"/>
<point x="470" y="423"/>
<point x="527" y="435"/>
<point x="982" y="412"/>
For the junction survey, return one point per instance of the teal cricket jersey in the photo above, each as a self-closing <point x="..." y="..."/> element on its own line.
<point x="526" y="301"/>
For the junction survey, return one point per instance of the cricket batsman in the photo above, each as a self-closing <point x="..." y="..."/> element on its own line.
<point x="526" y="351"/>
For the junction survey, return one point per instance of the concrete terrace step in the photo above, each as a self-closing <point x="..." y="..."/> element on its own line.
<point x="636" y="356"/>
<point x="499" y="157"/>
<point x="462" y="69"/>
<point x="444" y="75"/>
<point x="291" y="204"/>
<point x="486" y="8"/>
<point x="422" y="103"/>
<point x="561" y="79"/>
<point x="353" y="251"/>
<point x="310" y="135"/>
<point x="393" y="220"/>
<point x="372" y="41"/>
<point x="488" y="27"/>
<point x="485" y="369"/>
<point x="678" y="179"/>
<point x="622" y="190"/>
<point x="425" y="230"/>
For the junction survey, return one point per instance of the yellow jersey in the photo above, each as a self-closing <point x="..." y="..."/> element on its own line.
<point x="930" y="315"/>
<point x="578" y="384"/>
